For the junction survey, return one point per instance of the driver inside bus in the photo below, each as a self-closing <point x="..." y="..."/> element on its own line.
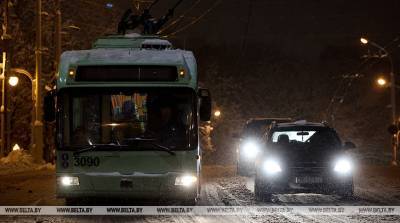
<point x="170" y="130"/>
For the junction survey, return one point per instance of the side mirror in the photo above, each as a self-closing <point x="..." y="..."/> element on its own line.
<point x="49" y="107"/>
<point x="205" y="104"/>
<point x="349" y="145"/>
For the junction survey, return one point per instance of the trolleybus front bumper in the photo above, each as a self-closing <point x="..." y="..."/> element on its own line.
<point x="138" y="185"/>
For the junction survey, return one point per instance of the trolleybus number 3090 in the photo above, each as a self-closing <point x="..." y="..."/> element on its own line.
<point x="86" y="161"/>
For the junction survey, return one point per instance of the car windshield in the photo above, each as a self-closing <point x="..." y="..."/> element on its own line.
<point x="127" y="116"/>
<point x="309" y="137"/>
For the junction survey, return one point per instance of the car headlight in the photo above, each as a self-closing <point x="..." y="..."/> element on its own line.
<point x="272" y="166"/>
<point x="343" y="166"/>
<point x="250" y="149"/>
<point x="185" y="180"/>
<point x="68" y="181"/>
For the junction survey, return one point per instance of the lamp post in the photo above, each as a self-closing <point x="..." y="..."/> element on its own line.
<point x="58" y="32"/>
<point x="57" y="36"/>
<point x="2" y="108"/>
<point x="13" y="81"/>
<point x="5" y="63"/>
<point x="384" y="53"/>
<point x="37" y="147"/>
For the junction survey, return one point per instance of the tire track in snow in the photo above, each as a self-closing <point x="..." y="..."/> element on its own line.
<point x="286" y="200"/>
<point x="223" y="194"/>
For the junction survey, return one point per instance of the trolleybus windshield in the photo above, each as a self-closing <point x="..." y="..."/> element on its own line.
<point x="131" y="118"/>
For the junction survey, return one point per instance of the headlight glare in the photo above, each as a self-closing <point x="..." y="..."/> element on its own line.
<point x="272" y="166"/>
<point x="250" y="149"/>
<point x="343" y="166"/>
<point x="185" y="180"/>
<point x="69" y="181"/>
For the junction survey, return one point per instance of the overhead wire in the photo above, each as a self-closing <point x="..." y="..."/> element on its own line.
<point x="152" y="4"/>
<point x="341" y="85"/>
<point x="346" y="91"/>
<point x="244" y="38"/>
<point x="195" y="20"/>
<point x="182" y="16"/>
<point x="96" y="3"/>
<point x="246" y="32"/>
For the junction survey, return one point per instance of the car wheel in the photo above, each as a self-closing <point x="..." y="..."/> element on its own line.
<point x="260" y="192"/>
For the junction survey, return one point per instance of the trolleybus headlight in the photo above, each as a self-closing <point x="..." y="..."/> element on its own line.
<point x="272" y="166"/>
<point x="343" y="166"/>
<point x="68" y="181"/>
<point x="185" y="180"/>
<point x="250" y="149"/>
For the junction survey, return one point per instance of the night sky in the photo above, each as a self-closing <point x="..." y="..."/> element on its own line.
<point x="302" y="28"/>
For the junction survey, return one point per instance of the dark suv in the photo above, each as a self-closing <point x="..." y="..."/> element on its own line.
<point x="250" y="142"/>
<point x="303" y="157"/>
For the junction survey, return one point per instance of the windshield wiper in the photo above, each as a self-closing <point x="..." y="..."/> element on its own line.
<point x="164" y="148"/>
<point x="151" y="141"/>
<point x="93" y="147"/>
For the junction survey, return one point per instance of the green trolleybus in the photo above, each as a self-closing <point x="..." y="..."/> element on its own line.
<point x="127" y="117"/>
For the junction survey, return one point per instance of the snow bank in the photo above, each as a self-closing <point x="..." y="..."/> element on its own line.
<point x="20" y="161"/>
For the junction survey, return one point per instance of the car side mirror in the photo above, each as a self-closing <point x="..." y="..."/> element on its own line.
<point x="205" y="104"/>
<point x="349" y="145"/>
<point x="49" y="107"/>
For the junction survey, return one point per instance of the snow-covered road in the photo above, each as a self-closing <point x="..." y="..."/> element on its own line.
<point x="373" y="186"/>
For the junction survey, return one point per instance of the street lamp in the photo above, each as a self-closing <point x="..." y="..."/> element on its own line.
<point x="381" y="49"/>
<point x="363" y="40"/>
<point x="13" y="81"/>
<point x="381" y="81"/>
<point x="392" y="92"/>
<point x="217" y="113"/>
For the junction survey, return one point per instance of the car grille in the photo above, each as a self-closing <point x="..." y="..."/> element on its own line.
<point x="307" y="175"/>
<point x="308" y="171"/>
<point x="309" y="164"/>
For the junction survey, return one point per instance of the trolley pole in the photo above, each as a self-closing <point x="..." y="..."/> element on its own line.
<point x="37" y="147"/>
